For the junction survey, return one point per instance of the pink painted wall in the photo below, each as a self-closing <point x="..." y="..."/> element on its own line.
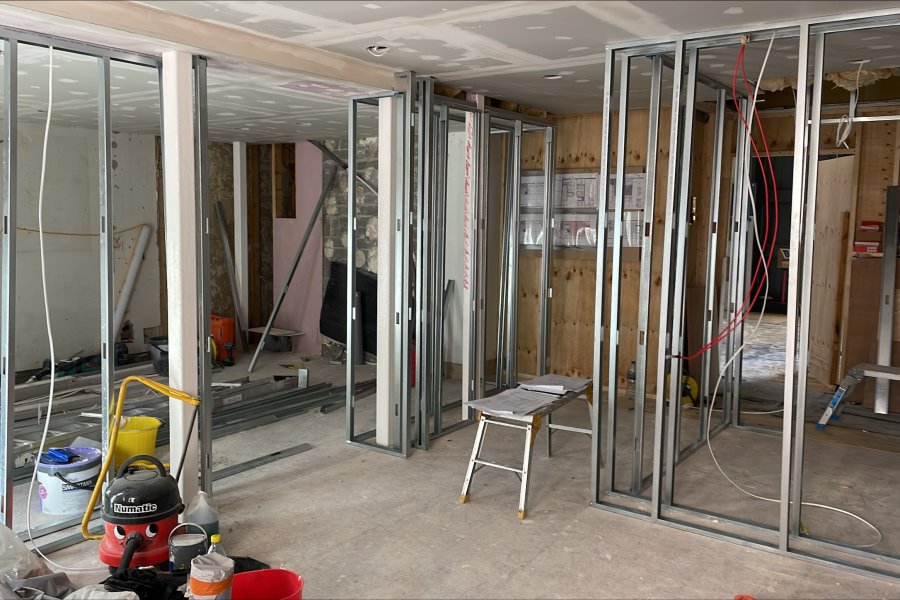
<point x="300" y="311"/>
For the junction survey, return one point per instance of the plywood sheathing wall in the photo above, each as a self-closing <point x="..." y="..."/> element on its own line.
<point x="574" y="272"/>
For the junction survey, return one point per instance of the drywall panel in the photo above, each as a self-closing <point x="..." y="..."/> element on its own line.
<point x="303" y="302"/>
<point x="72" y="251"/>
<point x="453" y="255"/>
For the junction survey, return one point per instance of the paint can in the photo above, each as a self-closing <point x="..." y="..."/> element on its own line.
<point x="65" y="489"/>
<point x="185" y="547"/>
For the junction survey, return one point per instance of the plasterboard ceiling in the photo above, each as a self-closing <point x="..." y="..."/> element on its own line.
<point x="503" y="49"/>
<point x="266" y="107"/>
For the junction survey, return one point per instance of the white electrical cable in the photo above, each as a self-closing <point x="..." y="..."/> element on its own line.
<point x="748" y="339"/>
<point x="845" y="126"/>
<point x="49" y="327"/>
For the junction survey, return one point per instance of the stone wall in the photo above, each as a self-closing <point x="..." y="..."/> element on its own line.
<point x="334" y="219"/>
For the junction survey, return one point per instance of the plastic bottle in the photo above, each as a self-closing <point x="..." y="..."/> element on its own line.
<point x="216" y="546"/>
<point x="630" y="378"/>
<point x="204" y="513"/>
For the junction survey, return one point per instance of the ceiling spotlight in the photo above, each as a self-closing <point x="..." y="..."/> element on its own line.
<point x="377" y="50"/>
<point x="550" y="76"/>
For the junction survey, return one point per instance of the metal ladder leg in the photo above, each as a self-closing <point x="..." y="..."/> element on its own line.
<point x="526" y="469"/>
<point x="476" y="451"/>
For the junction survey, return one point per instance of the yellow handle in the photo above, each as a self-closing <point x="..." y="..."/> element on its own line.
<point x="114" y="435"/>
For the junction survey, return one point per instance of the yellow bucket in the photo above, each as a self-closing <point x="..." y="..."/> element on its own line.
<point x="136" y="436"/>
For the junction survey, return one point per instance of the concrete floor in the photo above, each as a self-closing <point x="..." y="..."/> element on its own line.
<point x="360" y="524"/>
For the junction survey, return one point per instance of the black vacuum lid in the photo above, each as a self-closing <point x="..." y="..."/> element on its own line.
<point x="140" y="496"/>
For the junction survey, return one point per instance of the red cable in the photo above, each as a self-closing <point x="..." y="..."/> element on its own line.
<point x="744" y="309"/>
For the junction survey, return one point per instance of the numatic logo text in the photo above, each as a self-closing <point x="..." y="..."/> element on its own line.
<point x="140" y="508"/>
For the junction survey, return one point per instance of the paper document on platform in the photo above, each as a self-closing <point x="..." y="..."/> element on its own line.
<point x="569" y="384"/>
<point x="559" y="390"/>
<point x="513" y="402"/>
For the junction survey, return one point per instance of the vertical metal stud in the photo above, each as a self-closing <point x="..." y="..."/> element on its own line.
<point x="712" y="237"/>
<point x="424" y="256"/>
<point x="403" y="258"/>
<point x="107" y="277"/>
<point x="807" y="258"/>
<point x="608" y="473"/>
<point x="543" y="354"/>
<point x="640" y="382"/>
<point x="798" y="194"/>
<point x="600" y="295"/>
<point x="665" y="343"/>
<point x="681" y="234"/>
<point x="204" y="388"/>
<point x="351" y="346"/>
<point x="8" y="270"/>
<point x="512" y="277"/>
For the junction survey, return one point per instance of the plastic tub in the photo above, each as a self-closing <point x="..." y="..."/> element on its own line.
<point x="271" y="584"/>
<point x="136" y="436"/>
<point x="66" y="488"/>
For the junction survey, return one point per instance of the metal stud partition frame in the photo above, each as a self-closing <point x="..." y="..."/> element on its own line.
<point x="659" y="507"/>
<point x="12" y="40"/>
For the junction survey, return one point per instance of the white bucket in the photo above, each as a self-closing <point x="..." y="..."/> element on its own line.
<point x="66" y="489"/>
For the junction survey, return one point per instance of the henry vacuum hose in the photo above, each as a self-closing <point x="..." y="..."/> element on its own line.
<point x="114" y="434"/>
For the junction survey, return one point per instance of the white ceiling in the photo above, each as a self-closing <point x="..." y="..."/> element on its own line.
<point x="499" y="48"/>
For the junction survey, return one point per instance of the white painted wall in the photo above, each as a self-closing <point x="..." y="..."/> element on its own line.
<point x="453" y="262"/>
<point x="71" y="205"/>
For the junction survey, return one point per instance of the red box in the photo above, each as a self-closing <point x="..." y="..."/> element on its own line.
<point x="867" y="247"/>
<point x="871" y="226"/>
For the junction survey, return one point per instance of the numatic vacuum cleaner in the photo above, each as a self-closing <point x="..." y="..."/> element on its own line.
<point x="140" y="507"/>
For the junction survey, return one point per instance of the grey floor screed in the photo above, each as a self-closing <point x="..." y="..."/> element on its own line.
<point x="358" y="524"/>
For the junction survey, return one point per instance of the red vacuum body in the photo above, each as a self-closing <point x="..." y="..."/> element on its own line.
<point x="140" y="509"/>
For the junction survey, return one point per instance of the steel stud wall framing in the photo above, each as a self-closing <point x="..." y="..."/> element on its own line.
<point x="12" y="39"/>
<point x="681" y="54"/>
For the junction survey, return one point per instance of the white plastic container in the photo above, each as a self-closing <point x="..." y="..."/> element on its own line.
<point x="66" y="489"/>
<point x="202" y="511"/>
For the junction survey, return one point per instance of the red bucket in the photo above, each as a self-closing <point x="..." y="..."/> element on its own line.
<point x="272" y="584"/>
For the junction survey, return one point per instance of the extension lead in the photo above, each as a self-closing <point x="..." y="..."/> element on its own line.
<point x="749" y="128"/>
<point x="49" y="327"/>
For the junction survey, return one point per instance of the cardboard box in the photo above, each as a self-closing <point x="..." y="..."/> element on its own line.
<point x="863" y="235"/>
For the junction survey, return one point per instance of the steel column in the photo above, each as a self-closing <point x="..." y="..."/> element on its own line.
<point x="8" y="190"/>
